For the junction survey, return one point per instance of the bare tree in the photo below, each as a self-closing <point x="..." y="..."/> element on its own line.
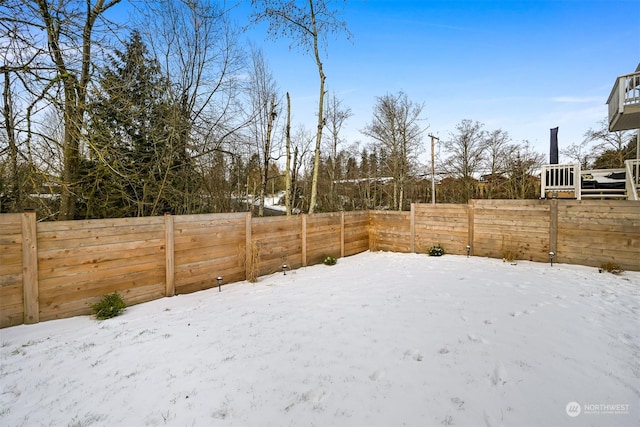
<point x="307" y="24"/>
<point x="287" y="170"/>
<point x="498" y="150"/>
<point x="336" y="116"/>
<point x="521" y="169"/>
<point x="14" y="192"/>
<point x="302" y="141"/>
<point x="198" y="48"/>
<point x="58" y="38"/>
<point x="69" y="31"/>
<point x="611" y="149"/>
<point x="466" y="154"/>
<point x="23" y="69"/>
<point x="579" y="153"/>
<point x="265" y="110"/>
<point x="396" y="130"/>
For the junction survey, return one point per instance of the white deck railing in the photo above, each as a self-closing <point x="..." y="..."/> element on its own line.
<point x="567" y="179"/>
<point x="632" y="169"/>
<point x="625" y="92"/>
<point x="558" y="178"/>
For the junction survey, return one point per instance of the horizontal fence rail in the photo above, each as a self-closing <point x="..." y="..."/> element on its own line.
<point x="54" y="270"/>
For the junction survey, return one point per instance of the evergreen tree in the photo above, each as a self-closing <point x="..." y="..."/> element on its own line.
<point x="135" y="166"/>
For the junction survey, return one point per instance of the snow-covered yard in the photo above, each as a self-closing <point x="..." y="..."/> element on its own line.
<point x="379" y="339"/>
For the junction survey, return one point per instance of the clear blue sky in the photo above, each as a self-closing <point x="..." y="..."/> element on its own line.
<point x="520" y="66"/>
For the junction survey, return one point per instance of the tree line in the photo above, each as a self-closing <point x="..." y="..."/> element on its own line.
<point x="167" y="110"/>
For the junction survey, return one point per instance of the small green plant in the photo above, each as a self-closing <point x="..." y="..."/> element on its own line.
<point x="109" y="306"/>
<point x="436" y="250"/>
<point x="611" y="267"/>
<point x="329" y="260"/>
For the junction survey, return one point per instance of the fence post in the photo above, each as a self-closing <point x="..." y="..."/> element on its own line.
<point x="471" y="213"/>
<point x="304" y="240"/>
<point x="412" y="233"/>
<point x="341" y="234"/>
<point x="372" y="235"/>
<point x="169" y="256"/>
<point x="248" y="244"/>
<point x="553" y="227"/>
<point x="30" y="267"/>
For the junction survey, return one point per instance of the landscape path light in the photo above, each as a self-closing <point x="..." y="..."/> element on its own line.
<point x="219" y="283"/>
<point x="284" y="268"/>
<point x="468" y="250"/>
<point x="551" y="256"/>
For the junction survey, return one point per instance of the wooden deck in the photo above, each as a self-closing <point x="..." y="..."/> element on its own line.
<point x="571" y="182"/>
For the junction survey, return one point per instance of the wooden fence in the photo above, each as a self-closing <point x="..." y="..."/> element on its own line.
<point x="54" y="270"/>
<point x="578" y="232"/>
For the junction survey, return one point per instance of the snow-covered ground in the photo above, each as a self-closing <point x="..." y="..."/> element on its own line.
<point x="379" y="339"/>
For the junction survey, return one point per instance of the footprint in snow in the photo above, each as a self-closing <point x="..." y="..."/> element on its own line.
<point x="499" y="376"/>
<point x="313" y="396"/>
<point x="444" y="350"/>
<point x="477" y="339"/>
<point x="414" y="354"/>
<point x="489" y="420"/>
<point x="375" y="376"/>
<point x="518" y="313"/>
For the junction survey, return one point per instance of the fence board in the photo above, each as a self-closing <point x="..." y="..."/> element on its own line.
<point x="208" y="246"/>
<point x="390" y="231"/>
<point x="444" y="225"/>
<point x="612" y="227"/>
<point x="80" y="305"/>
<point x="11" y="287"/>
<point x="80" y="261"/>
<point x="512" y="229"/>
<point x="277" y="232"/>
<point x="323" y="237"/>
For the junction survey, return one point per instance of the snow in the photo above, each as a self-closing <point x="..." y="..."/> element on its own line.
<point x="380" y="339"/>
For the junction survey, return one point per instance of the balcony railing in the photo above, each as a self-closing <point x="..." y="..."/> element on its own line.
<point x="633" y="178"/>
<point x="560" y="181"/>
<point x="570" y="182"/>
<point x="624" y="103"/>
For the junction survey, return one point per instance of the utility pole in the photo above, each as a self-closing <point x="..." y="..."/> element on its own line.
<point x="433" y="168"/>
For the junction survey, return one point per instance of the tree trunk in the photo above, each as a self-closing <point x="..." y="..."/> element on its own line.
<point x="15" y="202"/>
<point x="271" y="115"/>
<point x="74" y="92"/>
<point x="287" y="170"/>
<point x="316" y="153"/>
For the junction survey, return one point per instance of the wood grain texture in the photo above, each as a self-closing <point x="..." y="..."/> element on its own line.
<point x="58" y="269"/>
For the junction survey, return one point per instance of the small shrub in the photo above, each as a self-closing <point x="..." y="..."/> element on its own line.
<point x="436" y="250"/>
<point x="611" y="267"/>
<point x="329" y="260"/>
<point x="509" y="255"/>
<point x="253" y="266"/>
<point x="109" y="306"/>
<point x="509" y="252"/>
